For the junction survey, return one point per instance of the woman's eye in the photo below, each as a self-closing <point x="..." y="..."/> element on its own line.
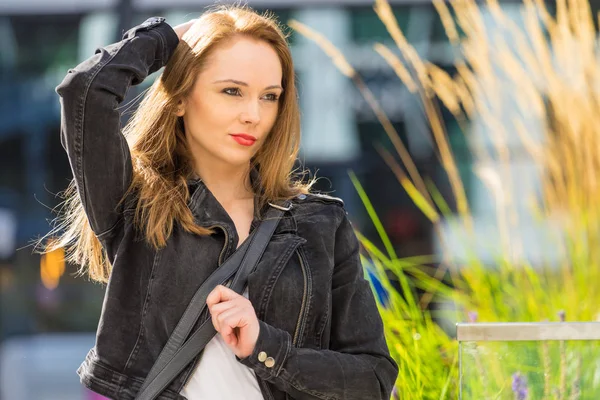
<point x="232" y="91"/>
<point x="272" y="97"/>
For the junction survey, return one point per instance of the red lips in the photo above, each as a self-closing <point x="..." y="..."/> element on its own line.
<point x="244" y="136"/>
<point x="244" y="139"/>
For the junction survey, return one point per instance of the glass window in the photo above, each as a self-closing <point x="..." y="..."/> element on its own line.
<point x="12" y="150"/>
<point x="368" y="28"/>
<point x="438" y="32"/>
<point x="45" y="44"/>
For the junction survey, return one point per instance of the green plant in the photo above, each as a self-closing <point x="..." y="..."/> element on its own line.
<point x="425" y="354"/>
<point x="537" y="82"/>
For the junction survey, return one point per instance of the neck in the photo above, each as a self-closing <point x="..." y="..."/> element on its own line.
<point x="227" y="183"/>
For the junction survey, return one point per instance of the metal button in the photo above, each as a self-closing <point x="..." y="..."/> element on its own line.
<point x="262" y="356"/>
<point x="269" y="362"/>
<point x="302" y="196"/>
<point x="281" y="207"/>
<point x="152" y="22"/>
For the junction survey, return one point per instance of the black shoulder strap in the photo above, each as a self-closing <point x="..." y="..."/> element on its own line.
<point x="176" y="355"/>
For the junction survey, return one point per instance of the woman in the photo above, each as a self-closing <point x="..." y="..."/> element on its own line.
<point x="208" y="152"/>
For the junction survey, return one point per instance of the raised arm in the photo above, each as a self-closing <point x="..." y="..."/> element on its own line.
<point x="90" y="121"/>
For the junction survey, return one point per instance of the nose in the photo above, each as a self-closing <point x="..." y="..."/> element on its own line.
<point x="251" y="114"/>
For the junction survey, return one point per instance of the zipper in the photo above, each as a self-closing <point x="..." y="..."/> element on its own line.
<point x="226" y="241"/>
<point x="299" y="325"/>
<point x="225" y="246"/>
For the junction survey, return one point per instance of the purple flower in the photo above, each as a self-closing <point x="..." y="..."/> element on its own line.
<point x="562" y="316"/>
<point x="519" y="386"/>
<point x="472" y="316"/>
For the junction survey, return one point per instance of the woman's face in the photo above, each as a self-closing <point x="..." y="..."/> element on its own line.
<point x="234" y="102"/>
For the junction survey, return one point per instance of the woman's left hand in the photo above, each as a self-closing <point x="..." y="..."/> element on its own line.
<point x="233" y="316"/>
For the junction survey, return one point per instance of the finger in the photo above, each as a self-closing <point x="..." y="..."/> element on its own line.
<point x="232" y="340"/>
<point x="228" y="294"/>
<point x="217" y="310"/>
<point x="222" y="307"/>
<point x="227" y="338"/>
<point x="231" y="322"/>
<point x="230" y="319"/>
<point x="214" y="296"/>
<point x="219" y="294"/>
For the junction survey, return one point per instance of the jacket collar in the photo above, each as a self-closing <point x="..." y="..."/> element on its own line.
<point x="208" y="211"/>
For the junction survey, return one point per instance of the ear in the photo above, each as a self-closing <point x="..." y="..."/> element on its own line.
<point x="180" y="110"/>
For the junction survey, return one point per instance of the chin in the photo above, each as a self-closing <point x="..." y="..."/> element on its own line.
<point x="235" y="159"/>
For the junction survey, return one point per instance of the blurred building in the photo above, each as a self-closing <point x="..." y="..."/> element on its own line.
<point x="41" y="39"/>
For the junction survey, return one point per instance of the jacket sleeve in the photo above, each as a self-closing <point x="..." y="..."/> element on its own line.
<point x="358" y="364"/>
<point x="90" y="121"/>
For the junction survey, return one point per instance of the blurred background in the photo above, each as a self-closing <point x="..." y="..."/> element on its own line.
<point x="47" y="316"/>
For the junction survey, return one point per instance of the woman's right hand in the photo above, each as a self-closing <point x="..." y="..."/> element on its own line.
<point x="181" y="29"/>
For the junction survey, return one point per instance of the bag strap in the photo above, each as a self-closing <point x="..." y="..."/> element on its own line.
<point x="176" y="355"/>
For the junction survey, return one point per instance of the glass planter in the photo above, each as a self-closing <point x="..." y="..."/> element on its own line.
<point x="545" y="361"/>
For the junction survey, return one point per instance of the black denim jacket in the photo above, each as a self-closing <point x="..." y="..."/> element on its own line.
<point x="318" y="316"/>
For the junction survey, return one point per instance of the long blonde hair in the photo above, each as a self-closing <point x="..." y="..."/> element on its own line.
<point x="160" y="156"/>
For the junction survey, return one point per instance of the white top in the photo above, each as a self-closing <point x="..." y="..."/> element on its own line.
<point x="220" y="376"/>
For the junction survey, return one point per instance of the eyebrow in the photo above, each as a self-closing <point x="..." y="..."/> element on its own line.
<point x="241" y="83"/>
